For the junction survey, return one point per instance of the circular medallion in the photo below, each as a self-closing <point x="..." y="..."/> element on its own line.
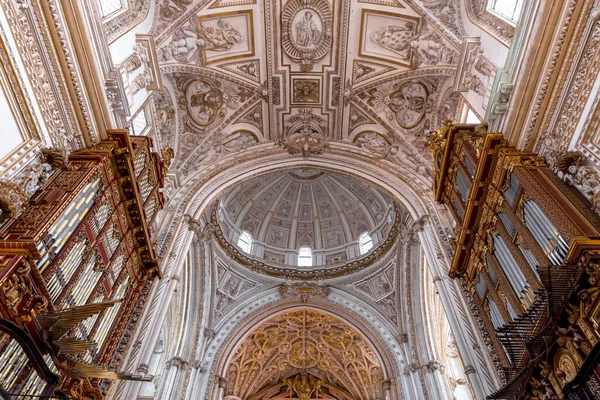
<point x="204" y="101"/>
<point x="409" y="103"/>
<point x="306" y="28"/>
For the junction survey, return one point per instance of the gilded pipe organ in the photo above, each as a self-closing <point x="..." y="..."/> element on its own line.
<point x="526" y="245"/>
<point x="74" y="266"/>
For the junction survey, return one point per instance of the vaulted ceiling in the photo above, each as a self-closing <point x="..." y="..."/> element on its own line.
<point x="303" y="74"/>
<point x="323" y="210"/>
<point x="306" y="341"/>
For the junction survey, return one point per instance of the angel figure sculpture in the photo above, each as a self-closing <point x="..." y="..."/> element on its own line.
<point x="429" y="50"/>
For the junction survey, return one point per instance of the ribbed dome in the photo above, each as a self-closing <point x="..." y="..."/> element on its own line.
<point x="323" y="210"/>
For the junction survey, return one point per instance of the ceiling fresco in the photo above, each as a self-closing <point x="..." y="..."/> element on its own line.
<point x="303" y="74"/>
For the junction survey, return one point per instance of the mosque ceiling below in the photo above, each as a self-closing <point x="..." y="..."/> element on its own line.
<point x="304" y="74"/>
<point x="301" y="352"/>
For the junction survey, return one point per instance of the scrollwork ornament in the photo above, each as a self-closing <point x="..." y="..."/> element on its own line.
<point x="305" y="291"/>
<point x="13" y="201"/>
<point x="305" y="134"/>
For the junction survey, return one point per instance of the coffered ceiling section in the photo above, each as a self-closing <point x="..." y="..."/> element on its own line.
<point x="305" y="73"/>
<point x="323" y="210"/>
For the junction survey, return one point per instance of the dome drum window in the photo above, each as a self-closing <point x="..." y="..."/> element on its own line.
<point x="509" y="10"/>
<point x="305" y="257"/>
<point x="245" y="242"/>
<point x="365" y="243"/>
<point x="110" y="7"/>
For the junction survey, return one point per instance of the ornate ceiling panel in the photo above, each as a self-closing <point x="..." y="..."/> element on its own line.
<point x="305" y="341"/>
<point x="305" y="73"/>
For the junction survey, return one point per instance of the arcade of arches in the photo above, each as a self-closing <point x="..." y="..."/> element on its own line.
<point x="294" y="199"/>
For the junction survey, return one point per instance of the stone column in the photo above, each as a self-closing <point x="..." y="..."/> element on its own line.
<point x="472" y="348"/>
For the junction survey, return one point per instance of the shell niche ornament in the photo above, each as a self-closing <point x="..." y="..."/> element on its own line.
<point x="306" y="31"/>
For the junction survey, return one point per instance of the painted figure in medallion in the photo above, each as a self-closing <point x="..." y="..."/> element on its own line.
<point x="204" y="102"/>
<point x="307" y="31"/>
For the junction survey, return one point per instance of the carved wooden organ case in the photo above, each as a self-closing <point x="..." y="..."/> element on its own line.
<point x="85" y="237"/>
<point x="527" y="247"/>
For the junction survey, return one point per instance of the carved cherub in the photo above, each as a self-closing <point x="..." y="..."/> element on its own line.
<point x="429" y="49"/>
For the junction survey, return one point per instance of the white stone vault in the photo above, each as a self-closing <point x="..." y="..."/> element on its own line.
<point x="198" y="193"/>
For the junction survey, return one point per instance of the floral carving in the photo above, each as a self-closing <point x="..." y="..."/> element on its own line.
<point x="305" y="341"/>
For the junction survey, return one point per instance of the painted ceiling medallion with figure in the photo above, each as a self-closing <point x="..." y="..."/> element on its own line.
<point x="306" y="31"/>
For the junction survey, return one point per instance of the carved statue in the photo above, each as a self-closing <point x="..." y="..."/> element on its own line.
<point x="434" y="4"/>
<point x="474" y="83"/>
<point x="167" y="154"/>
<point x="585" y="179"/>
<point x="13" y="201"/>
<point x="140" y="82"/>
<point x="222" y="38"/>
<point x="304" y="385"/>
<point x="430" y="50"/>
<point x="184" y="46"/>
<point x="238" y="141"/>
<point x="34" y="176"/>
<point x="401" y="155"/>
<point x="544" y="389"/>
<point x="373" y="142"/>
<point x="57" y="158"/>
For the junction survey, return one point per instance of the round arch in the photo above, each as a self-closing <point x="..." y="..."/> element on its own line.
<point x="408" y="187"/>
<point x="390" y="365"/>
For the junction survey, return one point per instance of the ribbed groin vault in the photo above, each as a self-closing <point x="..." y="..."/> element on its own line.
<point x="299" y="199"/>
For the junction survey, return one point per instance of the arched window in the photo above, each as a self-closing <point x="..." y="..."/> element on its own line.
<point x="365" y="243"/>
<point x="110" y="7"/>
<point x="305" y="258"/>
<point x="507" y="9"/>
<point x="245" y="242"/>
